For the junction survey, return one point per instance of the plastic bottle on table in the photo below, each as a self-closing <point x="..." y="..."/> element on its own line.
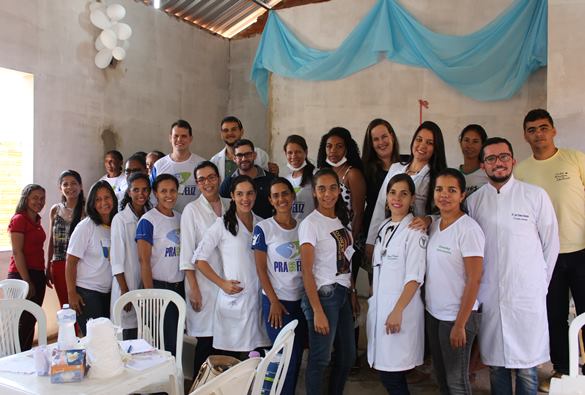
<point x="66" y="318"/>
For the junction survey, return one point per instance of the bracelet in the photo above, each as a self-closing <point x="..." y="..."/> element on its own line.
<point x="353" y="291"/>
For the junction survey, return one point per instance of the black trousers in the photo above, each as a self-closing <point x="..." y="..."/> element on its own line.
<point x="171" y="318"/>
<point x="569" y="274"/>
<point x="26" y="325"/>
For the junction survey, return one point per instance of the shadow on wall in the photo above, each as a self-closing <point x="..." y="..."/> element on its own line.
<point x="109" y="139"/>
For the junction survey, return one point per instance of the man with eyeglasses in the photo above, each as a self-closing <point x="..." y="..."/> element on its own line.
<point x="521" y="248"/>
<point x="245" y="155"/>
<point x="232" y="130"/>
<point x="561" y="172"/>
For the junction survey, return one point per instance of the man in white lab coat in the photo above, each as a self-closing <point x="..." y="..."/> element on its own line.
<point x="561" y="172"/>
<point x="231" y="131"/>
<point x="522" y="244"/>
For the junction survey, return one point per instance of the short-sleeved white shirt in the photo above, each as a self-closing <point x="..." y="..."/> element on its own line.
<point x="283" y="258"/>
<point x="304" y="203"/>
<point x="331" y="240"/>
<point x="183" y="171"/>
<point x="163" y="233"/>
<point x="117" y="183"/>
<point x="445" y="279"/>
<point x="91" y="244"/>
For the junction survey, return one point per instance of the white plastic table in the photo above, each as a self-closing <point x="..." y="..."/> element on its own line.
<point x="128" y="382"/>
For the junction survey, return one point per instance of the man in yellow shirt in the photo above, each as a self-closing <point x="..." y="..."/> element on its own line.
<point x="561" y="172"/>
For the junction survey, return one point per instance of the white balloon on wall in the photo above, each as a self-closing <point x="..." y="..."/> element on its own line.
<point x="99" y="19"/>
<point x="116" y="12"/>
<point x="108" y="38"/>
<point x="122" y="30"/>
<point x="119" y="53"/>
<point x="103" y="58"/>
<point x="97" y="6"/>
<point x="99" y="45"/>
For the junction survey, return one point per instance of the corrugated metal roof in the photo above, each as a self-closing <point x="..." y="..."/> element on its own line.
<point x="224" y="17"/>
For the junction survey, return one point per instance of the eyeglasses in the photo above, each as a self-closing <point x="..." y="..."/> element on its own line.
<point x="242" y="155"/>
<point x="210" y="178"/>
<point x="505" y="157"/>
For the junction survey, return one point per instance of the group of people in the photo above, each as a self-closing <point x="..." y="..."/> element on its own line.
<point x="451" y="253"/>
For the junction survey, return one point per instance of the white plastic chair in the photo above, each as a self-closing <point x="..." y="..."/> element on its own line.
<point x="13" y="289"/>
<point x="10" y="312"/>
<point x="573" y="383"/>
<point x="282" y="349"/>
<point x="150" y="306"/>
<point x="235" y="381"/>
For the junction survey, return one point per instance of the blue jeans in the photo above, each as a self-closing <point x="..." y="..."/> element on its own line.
<point x="294" y="313"/>
<point x="501" y="381"/>
<point x="97" y="304"/>
<point x="335" y="301"/>
<point x="451" y="365"/>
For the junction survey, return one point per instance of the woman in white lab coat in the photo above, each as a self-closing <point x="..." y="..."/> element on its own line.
<point x="395" y="321"/>
<point x="124" y="252"/>
<point x="237" y="323"/>
<point x="198" y="216"/>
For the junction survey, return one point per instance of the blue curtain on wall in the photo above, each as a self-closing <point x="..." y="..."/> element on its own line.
<point x="490" y="64"/>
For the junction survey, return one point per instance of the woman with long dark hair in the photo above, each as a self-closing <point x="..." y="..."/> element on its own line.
<point x="427" y="159"/>
<point x="300" y="176"/>
<point x="64" y="217"/>
<point x="329" y="299"/>
<point x="27" y="261"/>
<point x="88" y="270"/>
<point x="237" y="320"/>
<point x="278" y="263"/>
<point x="379" y="151"/>
<point x="471" y="140"/>
<point x="124" y="251"/>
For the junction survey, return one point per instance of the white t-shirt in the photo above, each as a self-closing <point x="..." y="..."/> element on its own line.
<point x="117" y="183"/>
<point x="91" y="244"/>
<point x="188" y="190"/>
<point x="445" y="279"/>
<point x="333" y="244"/>
<point x="304" y="203"/>
<point x="283" y="258"/>
<point x="163" y="233"/>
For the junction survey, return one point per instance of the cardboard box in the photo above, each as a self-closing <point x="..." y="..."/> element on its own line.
<point x="67" y="366"/>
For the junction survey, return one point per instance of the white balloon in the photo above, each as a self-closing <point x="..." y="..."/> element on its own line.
<point x="122" y="30"/>
<point x="103" y="58"/>
<point x="116" y="12"/>
<point x="99" y="19"/>
<point x="99" y="45"/>
<point x="108" y="38"/>
<point x="119" y="53"/>
<point x="94" y="5"/>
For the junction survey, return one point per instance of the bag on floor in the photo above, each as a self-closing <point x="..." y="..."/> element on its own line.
<point x="213" y="367"/>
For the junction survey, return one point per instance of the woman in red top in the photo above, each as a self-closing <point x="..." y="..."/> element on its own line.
<point x="27" y="261"/>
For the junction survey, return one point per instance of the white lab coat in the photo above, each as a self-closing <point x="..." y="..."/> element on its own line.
<point x="404" y="261"/>
<point x="197" y="217"/>
<point x="421" y="183"/>
<point x="522" y="244"/>
<point x="237" y="319"/>
<point x="219" y="160"/>
<point x="124" y="259"/>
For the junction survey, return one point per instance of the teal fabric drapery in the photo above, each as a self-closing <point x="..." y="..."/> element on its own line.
<point x="490" y="64"/>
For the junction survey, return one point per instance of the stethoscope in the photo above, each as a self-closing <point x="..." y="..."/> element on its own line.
<point x="392" y="229"/>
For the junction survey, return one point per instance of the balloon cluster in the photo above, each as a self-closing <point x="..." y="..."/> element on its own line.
<point x="112" y="42"/>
